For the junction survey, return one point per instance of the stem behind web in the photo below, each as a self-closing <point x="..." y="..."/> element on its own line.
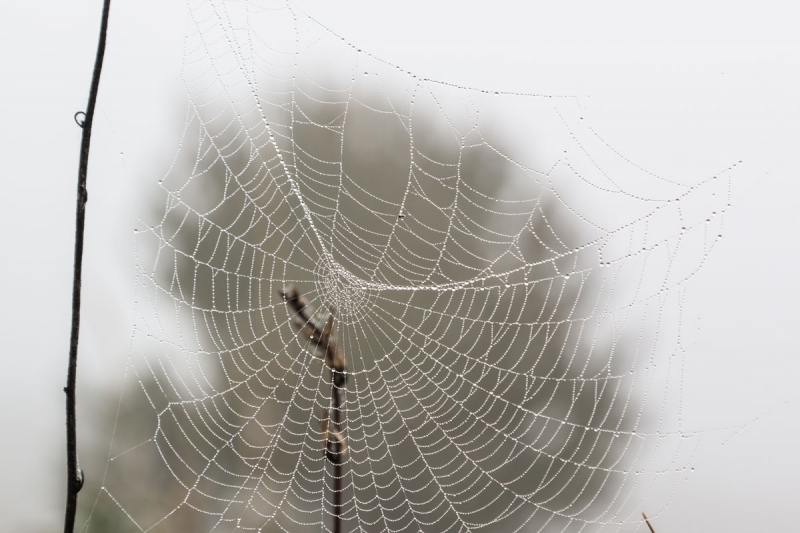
<point x="75" y="478"/>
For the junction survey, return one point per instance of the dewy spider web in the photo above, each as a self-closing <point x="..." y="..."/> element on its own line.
<point x="508" y="319"/>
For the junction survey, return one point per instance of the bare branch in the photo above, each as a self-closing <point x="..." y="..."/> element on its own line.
<point x="335" y="445"/>
<point x="74" y="476"/>
<point x="326" y="348"/>
<point x="332" y="356"/>
<point x="647" y="521"/>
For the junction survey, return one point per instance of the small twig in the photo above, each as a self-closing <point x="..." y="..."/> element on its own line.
<point x="74" y="476"/>
<point x="335" y="445"/>
<point x="327" y="349"/>
<point x="337" y="466"/>
<point x="329" y="353"/>
<point x="647" y="521"/>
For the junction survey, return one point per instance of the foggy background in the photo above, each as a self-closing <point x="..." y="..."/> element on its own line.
<point x="682" y="89"/>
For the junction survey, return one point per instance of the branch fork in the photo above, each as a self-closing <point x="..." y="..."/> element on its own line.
<point x="328" y="353"/>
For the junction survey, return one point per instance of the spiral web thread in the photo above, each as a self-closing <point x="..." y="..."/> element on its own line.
<point x="511" y="322"/>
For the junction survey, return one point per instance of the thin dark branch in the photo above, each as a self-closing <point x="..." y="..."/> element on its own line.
<point x="337" y="466"/>
<point x="332" y="357"/>
<point x="326" y="347"/>
<point x="647" y="521"/>
<point x="74" y="476"/>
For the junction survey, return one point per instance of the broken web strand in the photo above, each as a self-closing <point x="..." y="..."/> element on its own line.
<point x="506" y="371"/>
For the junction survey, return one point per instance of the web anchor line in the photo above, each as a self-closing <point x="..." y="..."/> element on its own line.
<point x="328" y="352"/>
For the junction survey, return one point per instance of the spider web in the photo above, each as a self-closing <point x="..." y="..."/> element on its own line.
<point x="506" y="288"/>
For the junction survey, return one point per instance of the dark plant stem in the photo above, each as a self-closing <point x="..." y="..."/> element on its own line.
<point x="337" y="467"/>
<point x="74" y="477"/>
<point x="647" y="521"/>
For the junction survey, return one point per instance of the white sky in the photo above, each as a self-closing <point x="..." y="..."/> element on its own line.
<point x="682" y="87"/>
